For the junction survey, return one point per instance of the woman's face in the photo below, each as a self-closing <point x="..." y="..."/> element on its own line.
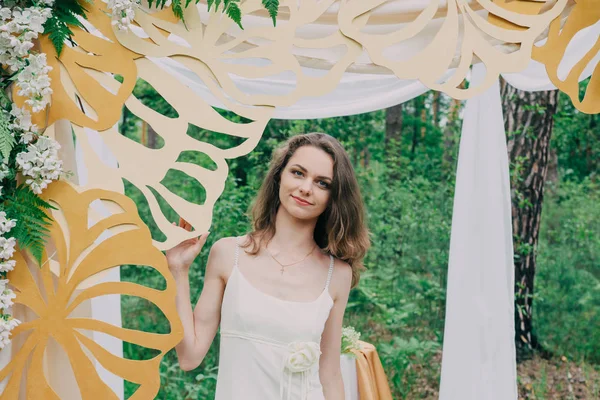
<point x="305" y="184"/>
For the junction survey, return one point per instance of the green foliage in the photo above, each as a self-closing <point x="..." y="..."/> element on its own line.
<point x="576" y="141"/>
<point x="403" y="359"/>
<point x="7" y="141"/>
<point x="64" y="14"/>
<point x="177" y="9"/>
<point x="272" y="6"/>
<point x="567" y="304"/>
<point x="232" y="9"/>
<point x="31" y="230"/>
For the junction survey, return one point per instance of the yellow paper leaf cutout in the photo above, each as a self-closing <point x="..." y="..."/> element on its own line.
<point x="584" y="14"/>
<point x="92" y="53"/>
<point x="54" y="299"/>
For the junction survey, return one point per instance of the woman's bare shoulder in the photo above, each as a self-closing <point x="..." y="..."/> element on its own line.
<point x="222" y="256"/>
<point x="341" y="278"/>
<point x="224" y="245"/>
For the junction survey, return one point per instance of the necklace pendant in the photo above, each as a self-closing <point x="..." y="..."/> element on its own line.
<point x="282" y="269"/>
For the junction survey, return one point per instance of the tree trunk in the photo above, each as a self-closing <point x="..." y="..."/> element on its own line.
<point x="152" y="139"/>
<point x="416" y="119"/>
<point x="393" y="139"/>
<point x="528" y="119"/>
<point x="393" y="123"/>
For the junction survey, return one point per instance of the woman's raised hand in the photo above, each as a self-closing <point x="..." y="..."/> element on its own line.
<point x="181" y="256"/>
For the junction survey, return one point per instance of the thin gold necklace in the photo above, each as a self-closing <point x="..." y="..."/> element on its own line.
<point x="287" y="265"/>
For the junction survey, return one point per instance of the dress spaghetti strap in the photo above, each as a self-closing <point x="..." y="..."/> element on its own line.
<point x="330" y="271"/>
<point x="237" y="251"/>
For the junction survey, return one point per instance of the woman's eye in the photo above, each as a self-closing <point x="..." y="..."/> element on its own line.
<point x="297" y="173"/>
<point x="323" y="184"/>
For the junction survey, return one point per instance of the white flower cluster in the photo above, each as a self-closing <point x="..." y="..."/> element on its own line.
<point x="7" y="324"/>
<point x="350" y="339"/>
<point x="35" y="83"/>
<point x="123" y="12"/>
<point x="6" y="295"/>
<point x="21" y="122"/>
<point x="40" y="163"/>
<point x="3" y="174"/>
<point x="7" y="249"/>
<point x="18" y="28"/>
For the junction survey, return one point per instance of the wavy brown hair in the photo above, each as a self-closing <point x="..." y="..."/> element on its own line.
<point x="341" y="229"/>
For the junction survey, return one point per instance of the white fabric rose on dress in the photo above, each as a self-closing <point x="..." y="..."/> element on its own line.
<point x="303" y="356"/>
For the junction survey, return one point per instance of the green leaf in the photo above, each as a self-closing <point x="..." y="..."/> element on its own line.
<point x="233" y="11"/>
<point x="272" y="7"/>
<point x="33" y="222"/>
<point x="178" y="9"/>
<point x="7" y="141"/>
<point x="64" y="13"/>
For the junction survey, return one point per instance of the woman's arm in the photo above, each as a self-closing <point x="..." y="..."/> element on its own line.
<point x="200" y="325"/>
<point x="331" y="342"/>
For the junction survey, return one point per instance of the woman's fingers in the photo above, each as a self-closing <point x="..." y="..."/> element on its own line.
<point x="202" y="240"/>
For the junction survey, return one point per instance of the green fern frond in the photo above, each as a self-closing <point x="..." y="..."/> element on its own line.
<point x="233" y="11"/>
<point x="178" y="9"/>
<point x="7" y="142"/>
<point x="33" y="222"/>
<point x="64" y="13"/>
<point x="272" y="7"/>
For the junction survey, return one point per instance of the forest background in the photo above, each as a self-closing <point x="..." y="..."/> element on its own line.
<point x="405" y="158"/>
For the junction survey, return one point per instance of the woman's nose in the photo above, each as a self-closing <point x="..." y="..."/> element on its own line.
<point x="306" y="186"/>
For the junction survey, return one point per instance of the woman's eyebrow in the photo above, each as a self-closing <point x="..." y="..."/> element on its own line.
<point x="305" y="170"/>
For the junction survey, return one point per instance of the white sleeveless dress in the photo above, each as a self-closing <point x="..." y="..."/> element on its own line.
<point x="270" y="348"/>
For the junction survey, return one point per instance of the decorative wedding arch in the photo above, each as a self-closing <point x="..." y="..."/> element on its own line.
<point x="323" y="58"/>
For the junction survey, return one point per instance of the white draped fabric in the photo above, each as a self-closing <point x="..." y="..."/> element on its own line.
<point x="478" y="359"/>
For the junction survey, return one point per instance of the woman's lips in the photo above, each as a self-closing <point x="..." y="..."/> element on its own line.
<point x="301" y="202"/>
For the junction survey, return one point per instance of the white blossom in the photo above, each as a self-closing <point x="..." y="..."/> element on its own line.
<point x="6" y="295"/>
<point x="34" y="82"/>
<point x="7" y="247"/>
<point x="7" y="324"/>
<point x="22" y="123"/>
<point x="40" y="162"/>
<point x="5" y="223"/>
<point x="5" y="13"/>
<point x="123" y="12"/>
<point x="350" y="339"/>
<point x="7" y="265"/>
<point x="4" y="169"/>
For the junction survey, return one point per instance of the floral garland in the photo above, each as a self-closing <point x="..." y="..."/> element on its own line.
<point x="25" y="154"/>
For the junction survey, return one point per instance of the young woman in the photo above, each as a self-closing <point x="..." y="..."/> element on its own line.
<point x="279" y="293"/>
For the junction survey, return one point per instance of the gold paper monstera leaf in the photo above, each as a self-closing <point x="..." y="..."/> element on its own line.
<point x="584" y="14"/>
<point x="54" y="291"/>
